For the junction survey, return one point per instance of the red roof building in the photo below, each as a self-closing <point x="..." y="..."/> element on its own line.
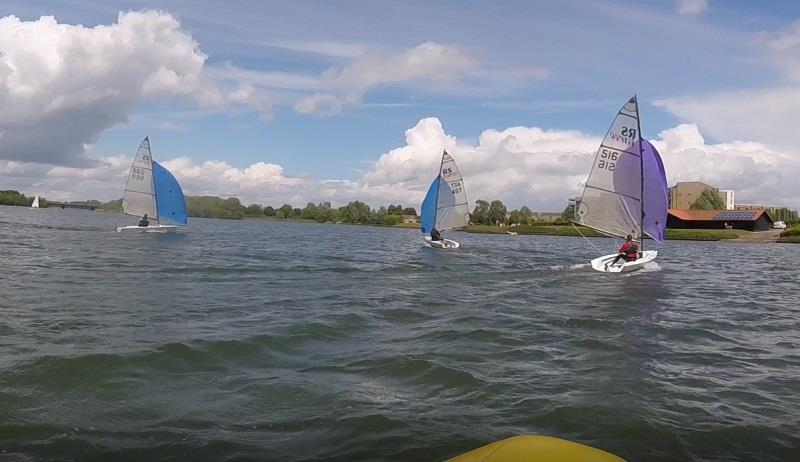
<point x="749" y="220"/>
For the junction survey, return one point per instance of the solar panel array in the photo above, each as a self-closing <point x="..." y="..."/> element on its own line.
<point x="735" y="215"/>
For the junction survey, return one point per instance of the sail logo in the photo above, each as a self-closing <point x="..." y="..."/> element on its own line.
<point x="627" y="135"/>
<point x="447" y="172"/>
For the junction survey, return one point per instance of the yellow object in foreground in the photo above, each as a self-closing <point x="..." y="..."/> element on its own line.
<point x="532" y="448"/>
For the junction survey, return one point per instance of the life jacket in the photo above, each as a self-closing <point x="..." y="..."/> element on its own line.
<point x="630" y="249"/>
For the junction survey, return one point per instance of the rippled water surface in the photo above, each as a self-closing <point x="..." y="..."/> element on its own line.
<point x="251" y="340"/>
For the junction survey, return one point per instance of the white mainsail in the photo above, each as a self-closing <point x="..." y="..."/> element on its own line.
<point x="612" y="198"/>
<point x="139" y="197"/>
<point x="35" y="204"/>
<point x="452" y="210"/>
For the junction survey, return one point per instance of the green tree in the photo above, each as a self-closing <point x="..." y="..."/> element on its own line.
<point x="356" y="212"/>
<point x="311" y="211"/>
<point x="480" y="215"/>
<point x="111" y="206"/>
<point x="254" y="210"/>
<point x="568" y="213"/>
<point x="497" y="212"/>
<point x="284" y="212"/>
<point x="12" y="197"/>
<point x="269" y="211"/>
<point x="409" y="211"/>
<point x="517" y="217"/>
<point x="391" y="220"/>
<point x="709" y="200"/>
<point x="214" y="207"/>
<point x="526" y="215"/>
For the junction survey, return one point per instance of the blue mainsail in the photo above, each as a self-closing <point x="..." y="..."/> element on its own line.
<point x="169" y="196"/>
<point x="428" y="208"/>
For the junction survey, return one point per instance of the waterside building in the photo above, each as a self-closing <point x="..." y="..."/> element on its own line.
<point x="748" y="220"/>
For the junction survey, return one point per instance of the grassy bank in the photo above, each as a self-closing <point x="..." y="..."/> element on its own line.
<point x="791" y="235"/>
<point x="702" y="234"/>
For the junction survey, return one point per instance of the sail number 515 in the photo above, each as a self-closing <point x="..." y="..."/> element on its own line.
<point x="608" y="159"/>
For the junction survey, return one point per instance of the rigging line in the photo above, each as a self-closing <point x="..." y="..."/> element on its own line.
<point x="586" y="239"/>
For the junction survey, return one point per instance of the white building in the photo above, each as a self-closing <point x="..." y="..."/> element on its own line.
<point x="727" y="196"/>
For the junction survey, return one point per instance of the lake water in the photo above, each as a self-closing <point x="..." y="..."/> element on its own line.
<point x="262" y="340"/>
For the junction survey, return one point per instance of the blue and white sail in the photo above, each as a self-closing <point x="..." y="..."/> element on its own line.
<point x="445" y="205"/>
<point x="170" y="202"/>
<point x="151" y="189"/>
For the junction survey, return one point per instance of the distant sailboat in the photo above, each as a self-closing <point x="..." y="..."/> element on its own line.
<point x="151" y="189"/>
<point x="445" y="205"/>
<point x="626" y="193"/>
<point x="35" y="204"/>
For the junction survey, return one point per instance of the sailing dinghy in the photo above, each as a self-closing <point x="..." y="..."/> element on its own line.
<point x="35" y="203"/>
<point x="626" y="192"/>
<point x="151" y="189"/>
<point x="445" y="205"/>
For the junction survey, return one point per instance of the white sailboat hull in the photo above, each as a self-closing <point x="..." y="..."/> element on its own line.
<point x="147" y="229"/>
<point x="444" y="244"/>
<point x="600" y="263"/>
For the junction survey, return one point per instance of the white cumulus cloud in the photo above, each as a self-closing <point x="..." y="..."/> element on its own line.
<point x="429" y="62"/>
<point x="519" y="165"/>
<point x="67" y="84"/>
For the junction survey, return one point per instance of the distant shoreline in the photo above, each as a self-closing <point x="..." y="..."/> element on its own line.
<point x="732" y="235"/>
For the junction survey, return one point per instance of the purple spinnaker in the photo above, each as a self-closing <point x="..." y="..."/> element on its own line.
<point x="655" y="198"/>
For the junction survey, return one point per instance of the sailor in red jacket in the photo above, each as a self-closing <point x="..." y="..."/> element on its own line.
<point x="628" y="251"/>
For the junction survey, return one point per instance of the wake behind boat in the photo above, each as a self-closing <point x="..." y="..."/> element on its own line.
<point x="153" y="192"/>
<point x="445" y="206"/>
<point x="626" y="193"/>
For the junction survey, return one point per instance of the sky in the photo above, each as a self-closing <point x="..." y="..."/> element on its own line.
<point x="306" y="101"/>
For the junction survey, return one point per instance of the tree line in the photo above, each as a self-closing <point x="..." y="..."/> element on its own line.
<point x="11" y="197"/>
<point x="353" y="212"/>
<point x="496" y="213"/>
<point x="232" y="208"/>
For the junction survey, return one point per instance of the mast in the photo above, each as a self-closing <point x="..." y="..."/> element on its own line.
<point x="438" y="185"/>
<point x="153" y="179"/>
<point x="641" y="174"/>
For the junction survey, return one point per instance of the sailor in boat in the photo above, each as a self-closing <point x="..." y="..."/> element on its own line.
<point x="435" y="235"/>
<point x="144" y="222"/>
<point x="629" y="251"/>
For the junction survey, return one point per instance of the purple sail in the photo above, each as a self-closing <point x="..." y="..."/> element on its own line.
<point x="655" y="198"/>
